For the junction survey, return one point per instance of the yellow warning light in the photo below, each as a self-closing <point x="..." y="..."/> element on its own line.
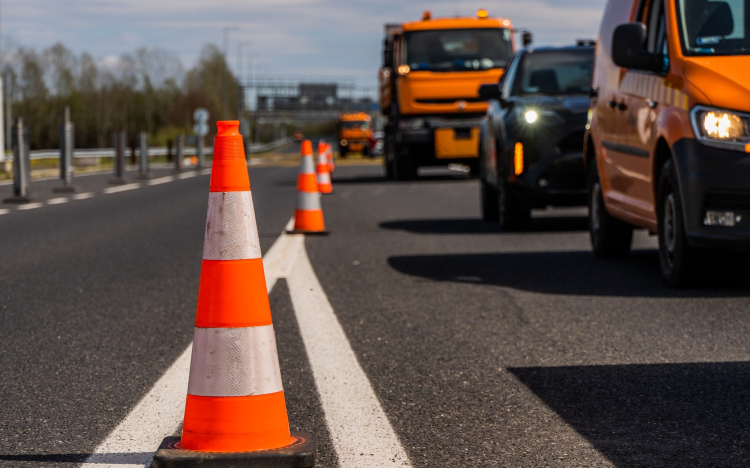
<point x="482" y="14"/>
<point x="518" y="159"/>
<point x="427" y="15"/>
<point x="403" y="70"/>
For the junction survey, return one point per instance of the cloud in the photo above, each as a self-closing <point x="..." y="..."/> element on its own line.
<point x="295" y="37"/>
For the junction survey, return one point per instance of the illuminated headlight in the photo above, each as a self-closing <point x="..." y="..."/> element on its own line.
<point x="532" y="116"/>
<point x="344" y="142"/>
<point x="721" y="128"/>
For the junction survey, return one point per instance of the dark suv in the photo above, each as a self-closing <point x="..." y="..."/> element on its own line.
<point x="531" y="140"/>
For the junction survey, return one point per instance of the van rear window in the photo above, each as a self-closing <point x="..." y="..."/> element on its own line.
<point x="714" y="27"/>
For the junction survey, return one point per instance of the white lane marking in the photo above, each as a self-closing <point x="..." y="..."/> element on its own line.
<point x="187" y="175"/>
<point x="205" y="171"/>
<point x="278" y="261"/>
<point x="361" y="433"/>
<point x="57" y="201"/>
<point x="30" y="206"/>
<point x="134" y="441"/>
<point x="82" y="196"/>
<point x="161" y="180"/>
<point x="4" y="211"/>
<point x="121" y="188"/>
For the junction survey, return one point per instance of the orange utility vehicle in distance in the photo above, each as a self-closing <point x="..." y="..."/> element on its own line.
<point x="669" y="142"/>
<point x="354" y="132"/>
<point x="429" y="86"/>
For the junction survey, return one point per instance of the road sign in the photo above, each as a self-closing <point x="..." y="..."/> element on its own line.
<point x="200" y="129"/>
<point x="200" y="115"/>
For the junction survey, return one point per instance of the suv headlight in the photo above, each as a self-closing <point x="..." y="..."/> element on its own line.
<point x="721" y="128"/>
<point x="543" y="116"/>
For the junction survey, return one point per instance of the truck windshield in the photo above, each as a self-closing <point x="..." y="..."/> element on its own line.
<point x="458" y="49"/>
<point x="558" y="72"/>
<point x="360" y="125"/>
<point x="714" y="27"/>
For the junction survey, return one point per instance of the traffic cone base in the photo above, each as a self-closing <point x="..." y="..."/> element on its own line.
<point x="308" y="216"/>
<point x="235" y="411"/>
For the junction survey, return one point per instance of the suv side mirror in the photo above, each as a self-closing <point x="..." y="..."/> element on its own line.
<point x="527" y="38"/>
<point x="489" y="91"/>
<point x="629" y="48"/>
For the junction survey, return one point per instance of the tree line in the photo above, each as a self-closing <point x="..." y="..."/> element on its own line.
<point x="144" y="91"/>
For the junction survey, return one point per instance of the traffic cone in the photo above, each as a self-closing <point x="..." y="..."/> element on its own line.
<point x="308" y="217"/>
<point x="324" y="176"/>
<point x="235" y="414"/>
<point x="329" y="154"/>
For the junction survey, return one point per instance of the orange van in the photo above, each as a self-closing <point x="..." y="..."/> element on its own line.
<point x="668" y="138"/>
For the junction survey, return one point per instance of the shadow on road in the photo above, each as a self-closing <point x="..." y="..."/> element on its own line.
<point x="663" y="415"/>
<point x="477" y="226"/>
<point x="571" y="273"/>
<point x="103" y="458"/>
<point x="382" y="180"/>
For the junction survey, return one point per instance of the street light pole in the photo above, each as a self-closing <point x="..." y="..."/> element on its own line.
<point x="224" y="93"/>
<point x="240" y="97"/>
<point x="2" y="126"/>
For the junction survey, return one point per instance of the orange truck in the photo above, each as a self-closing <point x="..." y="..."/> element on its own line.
<point x="668" y="146"/>
<point x="354" y="132"/>
<point x="429" y="83"/>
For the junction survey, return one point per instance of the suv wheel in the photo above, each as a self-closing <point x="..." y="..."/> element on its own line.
<point x="681" y="264"/>
<point x="512" y="215"/>
<point x="610" y="237"/>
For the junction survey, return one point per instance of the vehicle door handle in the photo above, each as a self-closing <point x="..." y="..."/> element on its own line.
<point x="652" y="104"/>
<point x="612" y="104"/>
<point x="622" y="107"/>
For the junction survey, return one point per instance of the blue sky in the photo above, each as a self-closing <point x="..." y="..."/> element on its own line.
<point x="295" y="38"/>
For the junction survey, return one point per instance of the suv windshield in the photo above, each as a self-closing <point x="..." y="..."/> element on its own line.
<point x="458" y="49"/>
<point x="714" y="27"/>
<point x="558" y="72"/>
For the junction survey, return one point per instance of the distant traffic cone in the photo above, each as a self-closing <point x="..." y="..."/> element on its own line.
<point x="324" y="176"/>
<point x="235" y="412"/>
<point x="308" y="217"/>
<point x="329" y="154"/>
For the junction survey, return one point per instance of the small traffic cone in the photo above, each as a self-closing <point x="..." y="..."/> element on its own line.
<point x="308" y="217"/>
<point x="324" y="176"/>
<point x="235" y="414"/>
<point x="329" y="154"/>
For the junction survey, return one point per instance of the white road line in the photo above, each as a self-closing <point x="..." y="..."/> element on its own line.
<point x="30" y="206"/>
<point x="161" y="180"/>
<point x="187" y="175"/>
<point x="83" y="196"/>
<point x="121" y="188"/>
<point x="57" y="201"/>
<point x="134" y="441"/>
<point x="205" y="171"/>
<point x="361" y="433"/>
<point x="4" y="211"/>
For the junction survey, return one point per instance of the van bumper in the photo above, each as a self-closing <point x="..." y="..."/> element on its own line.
<point x="717" y="180"/>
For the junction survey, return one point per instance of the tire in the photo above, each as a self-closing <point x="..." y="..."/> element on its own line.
<point x="403" y="169"/>
<point x="343" y="152"/>
<point x="388" y="155"/>
<point x="610" y="237"/>
<point x="474" y="170"/>
<point x="511" y="213"/>
<point x="681" y="264"/>
<point x="489" y="201"/>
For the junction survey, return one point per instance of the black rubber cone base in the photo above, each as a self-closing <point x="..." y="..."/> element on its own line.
<point x="118" y="181"/>
<point x="310" y="233"/>
<point x="66" y="189"/>
<point x="301" y="454"/>
<point x="14" y="200"/>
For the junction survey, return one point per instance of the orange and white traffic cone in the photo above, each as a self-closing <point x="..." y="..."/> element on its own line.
<point x="235" y="412"/>
<point x="329" y="155"/>
<point x="308" y="217"/>
<point x="324" y="176"/>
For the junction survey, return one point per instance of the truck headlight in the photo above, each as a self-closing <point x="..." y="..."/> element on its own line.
<point x="721" y="128"/>
<point x="343" y="142"/>
<point x="415" y="124"/>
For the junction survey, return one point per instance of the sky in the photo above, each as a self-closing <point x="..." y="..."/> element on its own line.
<point x="289" y="38"/>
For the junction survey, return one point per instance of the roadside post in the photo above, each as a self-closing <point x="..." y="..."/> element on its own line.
<point x="201" y="130"/>
<point x="119" y="144"/>
<point x="21" y="165"/>
<point x="143" y="157"/>
<point x="67" y="145"/>
<point x="180" y="155"/>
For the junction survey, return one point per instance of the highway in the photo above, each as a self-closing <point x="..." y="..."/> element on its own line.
<point x="482" y="348"/>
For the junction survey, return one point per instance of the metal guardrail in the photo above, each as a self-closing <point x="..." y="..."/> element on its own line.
<point x="110" y="152"/>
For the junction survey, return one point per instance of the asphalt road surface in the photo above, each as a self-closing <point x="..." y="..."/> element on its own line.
<point x="483" y="348"/>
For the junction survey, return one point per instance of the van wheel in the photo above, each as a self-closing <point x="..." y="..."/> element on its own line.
<point x="681" y="264"/>
<point x="512" y="215"/>
<point x="610" y="237"/>
<point x="489" y="199"/>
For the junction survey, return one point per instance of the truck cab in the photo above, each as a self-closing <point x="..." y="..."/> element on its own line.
<point x="429" y="84"/>
<point x="354" y="132"/>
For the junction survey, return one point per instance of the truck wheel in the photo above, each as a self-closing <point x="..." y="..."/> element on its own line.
<point x="681" y="264"/>
<point x="343" y="152"/>
<point x="474" y="169"/>
<point x="610" y="237"/>
<point x="512" y="215"/>
<point x="404" y="169"/>
<point x="489" y="199"/>
<point x="389" y="155"/>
